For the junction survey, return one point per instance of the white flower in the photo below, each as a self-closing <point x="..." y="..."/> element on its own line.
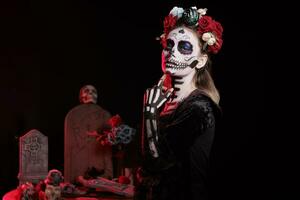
<point x="206" y="36"/>
<point x="177" y="11"/>
<point x="202" y="11"/>
<point x="211" y="41"/>
<point x="160" y="37"/>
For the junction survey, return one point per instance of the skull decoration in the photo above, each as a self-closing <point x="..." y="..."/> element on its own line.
<point x="54" y="177"/>
<point x="88" y="94"/>
<point x="53" y="192"/>
<point x="53" y="189"/>
<point x="182" y="53"/>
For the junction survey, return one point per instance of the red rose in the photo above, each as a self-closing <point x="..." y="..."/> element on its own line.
<point x="169" y="23"/>
<point x="218" y="29"/>
<point x="216" y="47"/>
<point x="163" y="42"/>
<point x="115" y="121"/>
<point x="205" y="24"/>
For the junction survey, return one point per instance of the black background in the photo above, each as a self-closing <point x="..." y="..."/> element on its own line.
<point x="49" y="49"/>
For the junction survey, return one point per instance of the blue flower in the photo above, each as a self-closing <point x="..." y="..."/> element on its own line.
<point x="177" y="11"/>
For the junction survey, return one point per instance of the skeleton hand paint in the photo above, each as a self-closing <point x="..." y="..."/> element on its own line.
<point x="154" y="98"/>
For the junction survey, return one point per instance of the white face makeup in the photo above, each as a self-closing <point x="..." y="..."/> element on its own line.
<point x="88" y="94"/>
<point x="182" y="52"/>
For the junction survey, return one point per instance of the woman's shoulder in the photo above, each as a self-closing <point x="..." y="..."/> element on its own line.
<point x="199" y="98"/>
<point x="200" y="101"/>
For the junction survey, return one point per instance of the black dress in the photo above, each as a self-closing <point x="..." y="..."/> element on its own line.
<point x="187" y="135"/>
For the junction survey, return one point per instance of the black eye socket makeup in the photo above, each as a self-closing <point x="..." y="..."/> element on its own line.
<point x="185" y="47"/>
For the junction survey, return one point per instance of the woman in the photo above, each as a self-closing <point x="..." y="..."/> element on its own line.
<point x="181" y="111"/>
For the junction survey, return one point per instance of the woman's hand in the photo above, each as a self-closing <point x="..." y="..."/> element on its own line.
<point x="156" y="96"/>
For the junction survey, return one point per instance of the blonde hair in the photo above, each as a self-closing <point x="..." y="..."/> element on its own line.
<point x="204" y="82"/>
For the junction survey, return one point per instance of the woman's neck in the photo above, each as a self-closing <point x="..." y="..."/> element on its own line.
<point x="183" y="86"/>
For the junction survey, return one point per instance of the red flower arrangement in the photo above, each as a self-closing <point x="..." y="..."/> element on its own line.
<point x="114" y="121"/>
<point x="115" y="132"/>
<point x="169" y="24"/>
<point x="205" y="24"/>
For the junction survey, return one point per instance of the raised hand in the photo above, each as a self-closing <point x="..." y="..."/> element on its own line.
<point x="155" y="97"/>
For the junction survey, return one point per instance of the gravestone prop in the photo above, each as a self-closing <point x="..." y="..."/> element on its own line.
<point x="81" y="151"/>
<point x="33" y="157"/>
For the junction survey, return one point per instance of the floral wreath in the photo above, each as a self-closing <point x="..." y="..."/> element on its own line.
<point x="210" y="31"/>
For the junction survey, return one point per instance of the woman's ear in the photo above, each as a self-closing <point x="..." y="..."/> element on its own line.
<point x="201" y="61"/>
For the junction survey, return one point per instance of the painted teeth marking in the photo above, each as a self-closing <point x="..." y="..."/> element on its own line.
<point x="173" y="64"/>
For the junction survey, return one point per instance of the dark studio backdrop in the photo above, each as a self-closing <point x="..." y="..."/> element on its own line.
<point x="49" y="49"/>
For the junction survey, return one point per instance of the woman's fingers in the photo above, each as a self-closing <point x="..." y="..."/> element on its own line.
<point x="161" y="80"/>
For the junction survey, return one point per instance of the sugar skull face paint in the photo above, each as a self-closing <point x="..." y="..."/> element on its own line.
<point x="182" y="52"/>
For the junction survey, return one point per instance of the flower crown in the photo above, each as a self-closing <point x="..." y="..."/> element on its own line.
<point x="209" y="30"/>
